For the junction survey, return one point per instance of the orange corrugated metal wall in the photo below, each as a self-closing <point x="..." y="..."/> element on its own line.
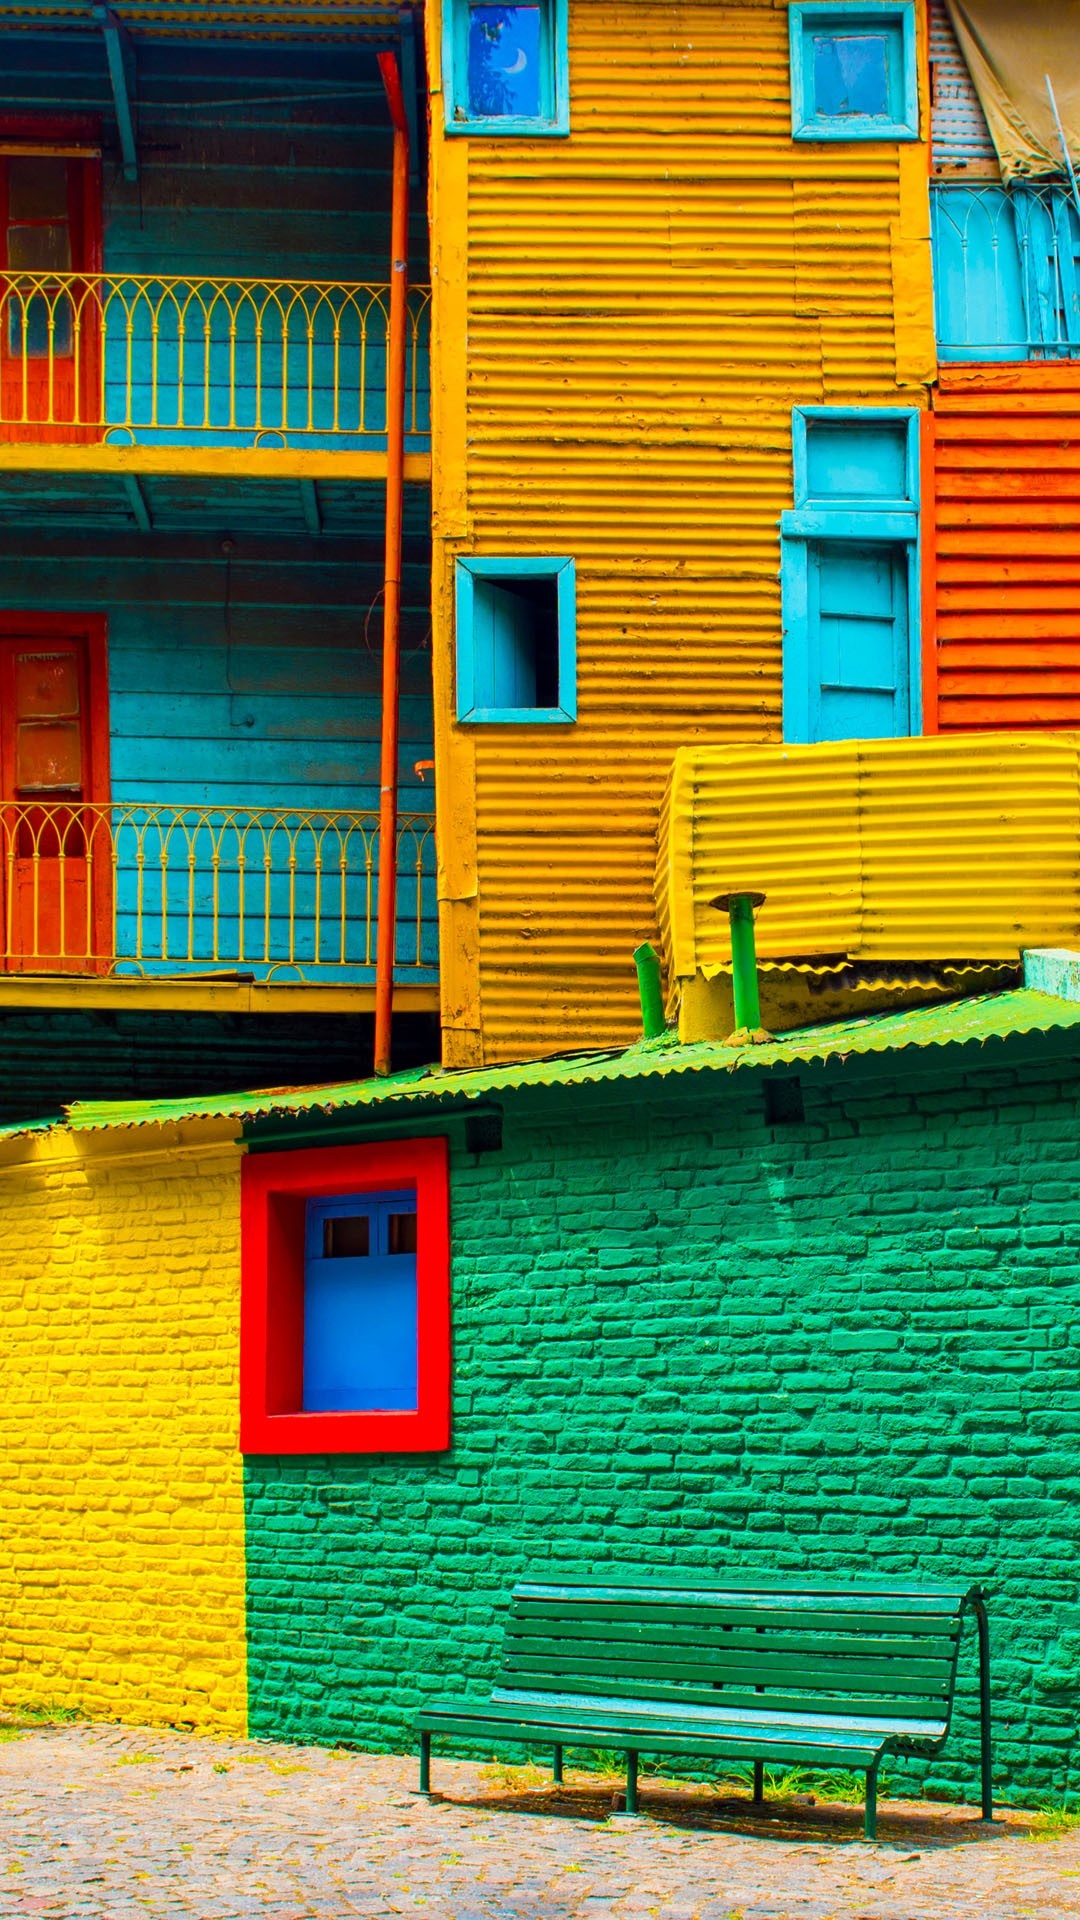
<point x="1007" y="561"/>
<point x="646" y="303"/>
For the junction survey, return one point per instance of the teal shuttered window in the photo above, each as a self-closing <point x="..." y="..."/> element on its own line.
<point x="849" y="575"/>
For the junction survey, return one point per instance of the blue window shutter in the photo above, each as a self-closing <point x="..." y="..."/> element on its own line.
<point x="360" y="1310"/>
<point x="858" y="640"/>
<point x="983" y="290"/>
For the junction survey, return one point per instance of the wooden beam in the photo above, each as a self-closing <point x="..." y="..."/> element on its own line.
<point x="75" y="991"/>
<point x="265" y="463"/>
<point x="309" y="500"/>
<point x="137" y="501"/>
<point x="120" y="54"/>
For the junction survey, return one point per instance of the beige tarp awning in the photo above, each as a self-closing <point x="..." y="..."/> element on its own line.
<point x="1010" y="46"/>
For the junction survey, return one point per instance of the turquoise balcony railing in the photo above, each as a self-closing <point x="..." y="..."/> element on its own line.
<point x="1006" y="272"/>
<point x="179" y="361"/>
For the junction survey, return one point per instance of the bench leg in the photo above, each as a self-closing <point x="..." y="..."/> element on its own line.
<point x="631" y="1783"/>
<point x="759" y="1782"/>
<point x="986" y="1755"/>
<point x="425" y="1763"/>
<point x="556" y="1767"/>
<point x="870" y="1816"/>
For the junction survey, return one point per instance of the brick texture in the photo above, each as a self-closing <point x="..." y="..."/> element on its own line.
<point x="686" y="1339"/>
<point x="121" y="1494"/>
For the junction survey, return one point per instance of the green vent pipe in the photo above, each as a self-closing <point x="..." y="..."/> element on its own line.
<point x="739" y="908"/>
<point x="653" y="1018"/>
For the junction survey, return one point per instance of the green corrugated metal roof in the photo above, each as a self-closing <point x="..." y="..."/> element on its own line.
<point x="960" y="1023"/>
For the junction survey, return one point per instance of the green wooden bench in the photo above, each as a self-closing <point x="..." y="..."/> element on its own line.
<point x="797" y="1672"/>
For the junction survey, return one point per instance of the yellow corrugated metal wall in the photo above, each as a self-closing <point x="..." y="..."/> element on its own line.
<point x="643" y="304"/>
<point x="955" y="848"/>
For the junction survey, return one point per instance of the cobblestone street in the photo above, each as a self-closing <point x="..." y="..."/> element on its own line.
<point x="109" y="1821"/>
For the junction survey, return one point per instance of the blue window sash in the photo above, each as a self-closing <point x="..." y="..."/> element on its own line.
<point x="335" y="1309"/>
<point x="1006" y="271"/>
<point x="555" y="38"/>
<point x="807" y="16"/>
<point x="871" y="521"/>
<point x="471" y="569"/>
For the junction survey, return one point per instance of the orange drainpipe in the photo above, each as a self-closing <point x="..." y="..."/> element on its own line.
<point x="395" y="491"/>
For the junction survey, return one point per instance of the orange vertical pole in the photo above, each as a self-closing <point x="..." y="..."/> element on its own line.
<point x="395" y="501"/>
<point x="928" y="514"/>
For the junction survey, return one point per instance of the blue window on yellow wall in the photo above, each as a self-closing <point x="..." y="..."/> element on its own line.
<point x="516" y="640"/>
<point x="849" y="571"/>
<point x="854" y="74"/>
<point x="360" y="1303"/>
<point x="506" y="67"/>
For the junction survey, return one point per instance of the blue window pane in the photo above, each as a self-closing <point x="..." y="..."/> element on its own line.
<point x="851" y="75"/>
<point x="504" y="62"/>
<point x="360" y="1305"/>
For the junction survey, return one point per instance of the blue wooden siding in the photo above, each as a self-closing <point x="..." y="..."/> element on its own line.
<point x="259" y="164"/>
<point x="245" y="685"/>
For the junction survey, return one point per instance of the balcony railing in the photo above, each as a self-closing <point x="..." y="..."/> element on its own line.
<point x="1006" y="272"/>
<point x="285" y="896"/>
<point x="182" y="361"/>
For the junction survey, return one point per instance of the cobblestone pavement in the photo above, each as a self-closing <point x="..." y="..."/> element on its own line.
<point x="109" y="1821"/>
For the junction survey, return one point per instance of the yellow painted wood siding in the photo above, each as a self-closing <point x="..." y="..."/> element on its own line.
<point x="643" y="305"/>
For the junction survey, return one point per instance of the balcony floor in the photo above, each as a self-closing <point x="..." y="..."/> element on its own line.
<point x="208" y="993"/>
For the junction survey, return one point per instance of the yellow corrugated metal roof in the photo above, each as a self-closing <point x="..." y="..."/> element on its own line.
<point x="963" y="847"/>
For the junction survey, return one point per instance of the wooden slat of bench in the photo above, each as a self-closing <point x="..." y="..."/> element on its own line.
<point x="776" y="1587"/>
<point x="925" y="1707"/>
<point x="872" y="1724"/>
<point x="811" y="1619"/>
<point x="632" y="1633"/>
<point x="807" y="1746"/>
<point x="760" y="1669"/>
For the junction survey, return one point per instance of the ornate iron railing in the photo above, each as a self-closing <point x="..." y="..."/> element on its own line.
<point x="282" y="894"/>
<point x="175" y="359"/>
<point x="1006" y="272"/>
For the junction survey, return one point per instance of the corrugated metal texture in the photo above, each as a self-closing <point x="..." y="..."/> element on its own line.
<point x="647" y="301"/>
<point x="996" y="1016"/>
<point x="886" y="850"/>
<point x="960" y="134"/>
<point x="1007" y="476"/>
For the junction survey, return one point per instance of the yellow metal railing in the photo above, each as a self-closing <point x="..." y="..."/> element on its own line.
<point x="288" y="895"/>
<point x="169" y="358"/>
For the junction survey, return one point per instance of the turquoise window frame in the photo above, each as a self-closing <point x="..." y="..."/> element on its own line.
<point x="807" y="18"/>
<point x="542" y="567"/>
<point x="871" y="519"/>
<point x="554" y="122"/>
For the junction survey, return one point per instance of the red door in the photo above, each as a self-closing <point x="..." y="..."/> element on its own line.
<point x="56" y="843"/>
<point x="50" y="319"/>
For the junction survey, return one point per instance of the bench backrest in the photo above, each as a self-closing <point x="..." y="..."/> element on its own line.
<point x="884" y="1652"/>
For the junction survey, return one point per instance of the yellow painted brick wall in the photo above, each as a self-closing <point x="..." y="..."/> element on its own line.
<point x="637" y="309"/>
<point x="121" y="1487"/>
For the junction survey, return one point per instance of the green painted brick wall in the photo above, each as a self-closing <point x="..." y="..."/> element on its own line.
<point x="686" y="1338"/>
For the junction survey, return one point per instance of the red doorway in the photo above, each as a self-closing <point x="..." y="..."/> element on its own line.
<point x="50" y="318"/>
<point x="56" y="883"/>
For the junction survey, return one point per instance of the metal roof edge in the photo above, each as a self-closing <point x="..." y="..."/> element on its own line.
<point x="998" y="1016"/>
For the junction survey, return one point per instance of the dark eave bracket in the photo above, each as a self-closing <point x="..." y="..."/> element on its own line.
<point x="120" y="54"/>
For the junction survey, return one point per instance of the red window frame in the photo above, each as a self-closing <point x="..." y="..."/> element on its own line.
<point x="274" y="1190"/>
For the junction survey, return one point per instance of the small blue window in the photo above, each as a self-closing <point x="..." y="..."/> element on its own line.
<point x="360" y="1304"/>
<point x="853" y="71"/>
<point x="506" y="67"/>
<point x="516" y="640"/>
